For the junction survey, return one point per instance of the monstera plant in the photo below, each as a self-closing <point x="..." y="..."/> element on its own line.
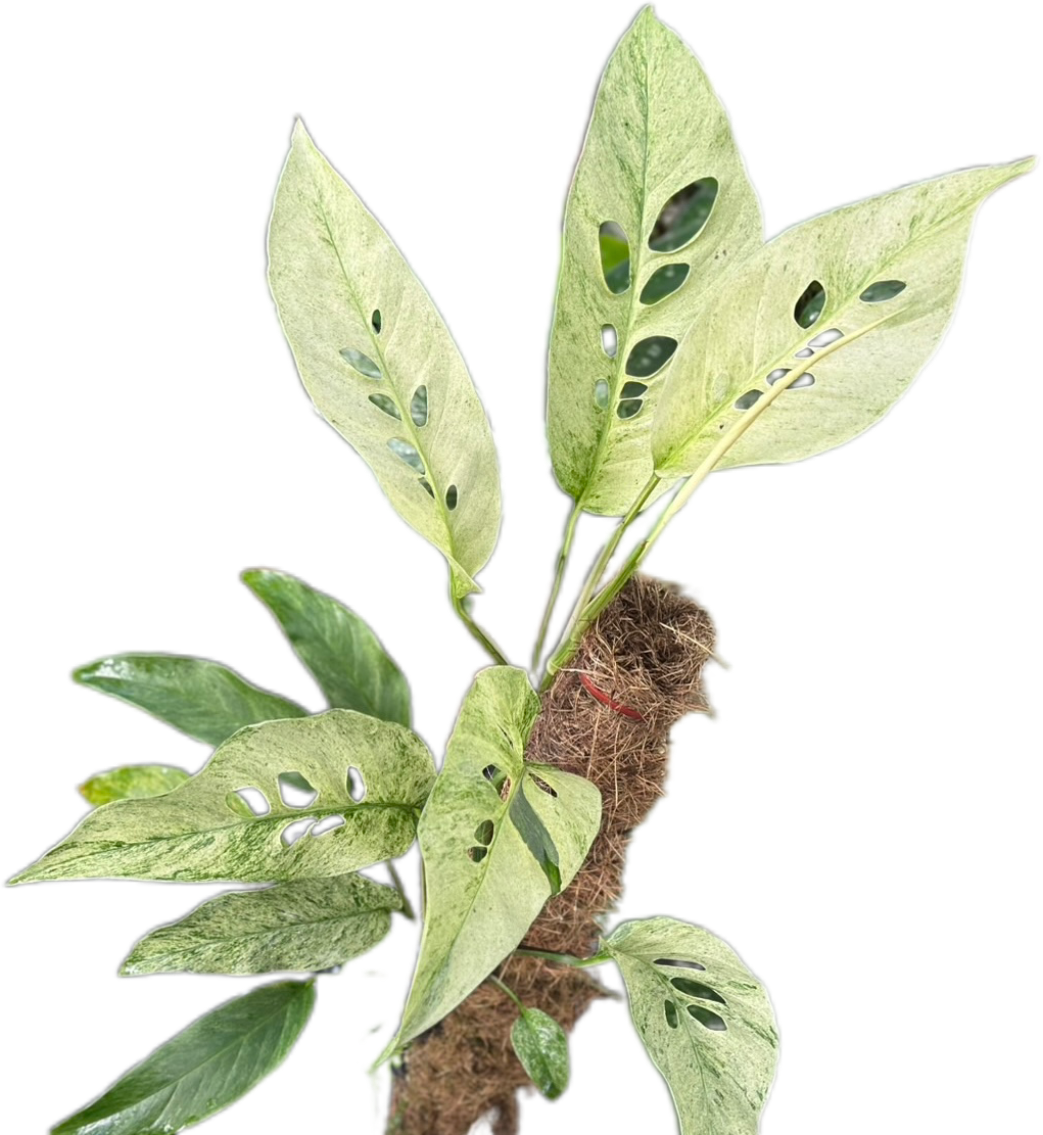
<point x="683" y="343"/>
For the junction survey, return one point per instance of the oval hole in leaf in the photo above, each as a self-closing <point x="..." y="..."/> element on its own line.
<point x="543" y="786"/>
<point x="293" y="832"/>
<point x="418" y="406"/>
<point x="452" y="496"/>
<point x="383" y="402"/>
<point x="615" y="256"/>
<point x="804" y="353"/>
<point x="664" y="282"/>
<point x="775" y="375"/>
<point x="679" y="963"/>
<point x="254" y="799"/>
<point x="356" y="785"/>
<point x="360" y="362"/>
<point x="376" y="320"/>
<point x="608" y="340"/>
<point x="824" y="338"/>
<point x="707" y="1018"/>
<point x="629" y="409"/>
<point x="295" y="790"/>
<point x="650" y="355"/>
<point x="809" y="307"/>
<point x="684" y="216"/>
<point x="407" y="453"/>
<point x="328" y="824"/>
<point x="484" y="832"/>
<point x="697" y="989"/>
<point x="477" y="854"/>
<point x="670" y="1011"/>
<point x="745" y="401"/>
<point x="633" y="389"/>
<point x="427" y="488"/>
<point x="882" y="290"/>
<point x="805" y="380"/>
<point x="601" y="394"/>
<point x="497" y="778"/>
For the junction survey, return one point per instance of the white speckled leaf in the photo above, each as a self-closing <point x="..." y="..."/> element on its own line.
<point x="479" y="910"/>
<point x="707" y="1023"/>
<point x="902" y="251"/>
<point x="204" y="831"/>
<point x="657" y="127"/>
<point x="331" y="268"/>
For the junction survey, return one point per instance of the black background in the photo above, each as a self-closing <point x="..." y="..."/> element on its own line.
<point x="178" y="450"/>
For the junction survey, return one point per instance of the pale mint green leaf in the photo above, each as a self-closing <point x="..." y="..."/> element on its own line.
<point x="201" y="698"/>
<point x="360" y="324"/>
<point x="202" y="831"/>
<point x="352" y="668"/>
<point x="657" y="128"/>
<point x="131" y="782"/>
<point x="705" y="1020"/>
<point x="857" y="299"/>
<point x="203" y="1069"/>
<point x="307" y="925"/>
<point x="484" y="885"/>
<point x="543" y="1049"/>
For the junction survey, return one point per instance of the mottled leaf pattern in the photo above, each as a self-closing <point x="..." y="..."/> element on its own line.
<point x="542" y="1047"/>
<point x="131" y="782"/>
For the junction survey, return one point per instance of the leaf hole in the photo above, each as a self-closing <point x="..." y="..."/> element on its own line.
<point x="745" y="401"/>
<point x="328" y="824"/>
<point x="356" y="785"/>
<point x="633" y="390"/>
<point x="679" y="963"/>
<point x="295" y="790"/>
<point x="824" y="338"/>
<point x="650" y="355"/>
<point x="484" y="832"/>
<point x="630" y="408"/>
<point x="707" y="1019"/>
<point x="684" y="216"/>
<point x="609" y="342"/>
<point x="697" y="989"/>
<point x="601" y="394"/>
<point x="452" y="497"/>
<point x="670" y="1012"/>
<point x="383" y="402"/>
<point x="775" y="375"/>
<point x="542" y="785"/>
<point x="664" y="282"/>
<point x="615" y="256"/>
<point x="407" y="453"/>
<point x="424" y="484"/>
<point x="418" y="406"/>
<point x="293" y="832"/>
<point x="361" y="363"/>
<point x="805" y="380"/>
<point x="254" y="799"/>
<point x="882" y="290"/>
<point x="804" y="353"/>
<point x="477" y="854"/>
<point x="809" y="307"/>
<point x="376" y="321"/>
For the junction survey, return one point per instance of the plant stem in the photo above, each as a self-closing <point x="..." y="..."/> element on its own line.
<point x="559" y="575"/>
<point x="563" y="959"/>
<point x="506" y="989"/>
<point x="490" y="647"/>
<point x="407" y="906"/>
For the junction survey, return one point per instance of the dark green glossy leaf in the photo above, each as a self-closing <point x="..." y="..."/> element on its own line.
<point x="203" y="699"/>
<point x="534" y="832"/>
<point x="131" y="782"/>
<point x="344" y="655"/>
<point x="208" y="1066"/>
<point x="543" y="1049"/>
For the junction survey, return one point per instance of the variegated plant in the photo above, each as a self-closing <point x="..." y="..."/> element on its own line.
<point x="682" y="343"/>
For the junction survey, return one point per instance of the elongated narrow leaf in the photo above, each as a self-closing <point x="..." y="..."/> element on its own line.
<point x="704" y="1019"/>
<point x="201" y="698"/>
<point x="380" y="364"/>
<point x="352" y="668"/>
<point x="543" y="1049"/>
<point x="131" y="782"/>
<point x="203" y="1069"/>
<point x="853" y="302"/>
<point x="659" y="166"/>
<point x="307" y="925"/>
<point x="206" y="830"/>
<point x="485" y="883"/>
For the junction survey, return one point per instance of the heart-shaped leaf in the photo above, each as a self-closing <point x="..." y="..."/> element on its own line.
<point x="239" y="819"/>
<point x="307" y="925"/>
<point x="542" y="1047"/>
<point x="660" y="206"/>
<point x="379" y="363"/>
<point x="352" y="668"/>
<point x="132" y="782"/>
<point x="206" y="1067"/>
<point x="704" y="1019"/>
<point x="813" y="338"/>
<point x="486" y="881"/>
<point x="201" y="698"/>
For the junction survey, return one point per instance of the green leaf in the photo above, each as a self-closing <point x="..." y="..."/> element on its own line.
<point x="364" y="333"/>
<point x="656" y="130"/>
<point x="211" y="1064"/>
<point x="484" y="885"/>
<point x="201" y="698"/>
<point x="704" y="1019"/>
<point x="339" y="649"/>
<point x="543" y="1049"/>
<point x="202" y="832"/>
<point x="307" y="925"/>
<point x="131" y="782"/>
<point x="857" y="299"/>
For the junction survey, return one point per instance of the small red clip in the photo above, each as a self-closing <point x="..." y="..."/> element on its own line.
<point x="601" y="696"/>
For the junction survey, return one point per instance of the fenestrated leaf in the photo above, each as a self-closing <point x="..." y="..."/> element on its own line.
<point x="307" y="925"/>
<point x="203" y="1069"/>
<point x="657" y="129"/>
<point x="352" y="668"/>
<point x="857" y="299"/>
<point x="484" y="885"/>
<point x="132" y="782"/>
<point x="202" y="831"/>
<point x="704" y="1019"/>
<point x="201" y="698"/>
<point x="543" y="1049"/>
<point x="332" y="268"/>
